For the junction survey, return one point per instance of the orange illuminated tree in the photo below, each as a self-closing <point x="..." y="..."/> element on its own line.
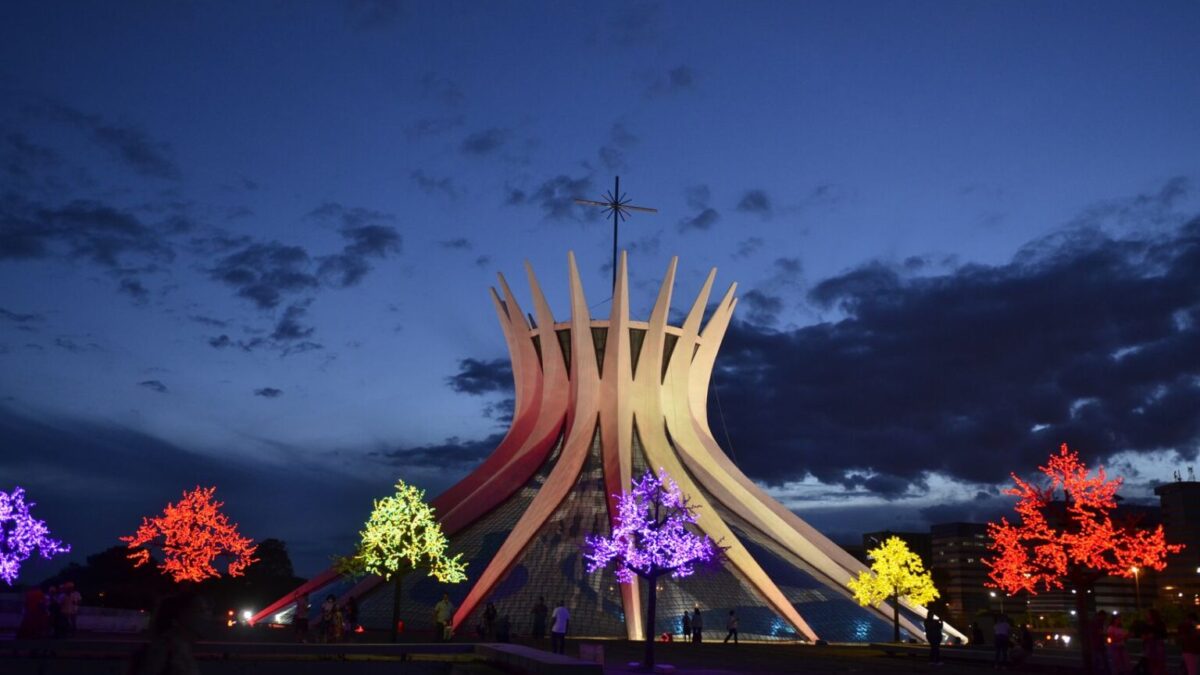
<point x="193" y="534"/>
<point x="1067" y="537"/>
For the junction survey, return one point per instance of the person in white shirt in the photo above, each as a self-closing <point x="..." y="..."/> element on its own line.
<point x="559" y="620"/>
<point x="443" y="612"/>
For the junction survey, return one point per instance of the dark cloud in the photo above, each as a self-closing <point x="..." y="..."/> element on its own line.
<point x="17" y="317"/>
<point x="748" y="247"/>
<point x="701" y="221"/>
<point x="115" y="475"/>
<point x="483" y="261"/>
<point x="676" y="80"/>
<point x="755" y="201"/>
<point x="24" y="161"/>
<point x="759" y="308"/>
<point x="221" y="341"/>
<point x="477" y="377"/>
<point x="453" y="454"/>
<point x="81" y="229"/>
<point x="633" y="24"/>
<point x="433" y="126"/>
<point x="134" y="289"/>
<point x="620" y="141"/>
<point x="502" y="411"/>
<point x="208" y="321"/>
<point x="67" y="344"/>
<point x="289" y="327"/>
<point x="485" y="142"/>
<point x="1154" y="207"/>
<point x="456" y="244"/>
<point x="442" y="90"/>
<point x="265" y="272"/>
<point x="1082" y="338"/>
<point x="368" y="15"/>
<point x="127" y="144"/>
<point x="556" y="197"/>
<point x="268" y="392"/>
<point x="154" y="385"/>
<point x="430" y="185"/>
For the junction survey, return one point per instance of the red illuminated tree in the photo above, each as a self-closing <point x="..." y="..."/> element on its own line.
<point x="1067" y="536"/>
<point x="193" y="534"/>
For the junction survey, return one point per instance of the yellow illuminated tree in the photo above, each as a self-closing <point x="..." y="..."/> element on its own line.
<point x="896" y="573"/>
<point x="401" y="536"/>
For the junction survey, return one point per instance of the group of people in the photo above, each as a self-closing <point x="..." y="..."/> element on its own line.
<point x="1107" y="638"/>
<point x="334" y="624"/>
<point x="53" y="612"/>
<point x="496" y="626"/>
<point x="692" y="626"/>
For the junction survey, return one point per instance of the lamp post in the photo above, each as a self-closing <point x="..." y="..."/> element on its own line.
<point x="993" y="594"/>
<point x="1137" y="586"/>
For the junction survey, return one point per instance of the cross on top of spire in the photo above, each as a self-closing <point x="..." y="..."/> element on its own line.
<point x="616" y="204"/>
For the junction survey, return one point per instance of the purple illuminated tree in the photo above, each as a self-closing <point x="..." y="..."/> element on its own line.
<point x="651" y="538"/>
<point x="21" y="534"/>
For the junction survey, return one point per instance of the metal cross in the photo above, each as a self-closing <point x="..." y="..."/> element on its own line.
<point x="616" y="204"/>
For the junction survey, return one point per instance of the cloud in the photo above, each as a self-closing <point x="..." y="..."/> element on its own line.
<point x="368" y="15"/>
<point x="456" y="244"/>
<point x="127" y="144"/>
<point x="702" y="221"/>
<point x="476" y="377"/>
<point x="208" y="321"/>
<point x="430" y="185"/>
<point x="81" y="229"/>
<point x="1082" y="338"/>
<point x="442" y="90"/>
<point x="485" y="142"/>
<point x="17" y="317"/>
<point x="134" y="289"/>
<point x="265" y="272"/>
<point x="1154" y="208"/>
<point x="154" y="385"/>
<point x="633" y="24"/>
<point x="452" y="454"/>
<point x="748" y="247"/>
<point x="556" y="197"/>
<point x="761" y="309"/>
<point x="755" y="201"/>
<point x="268" y="392"/>
<point x="426" y="127"/>
<point x="675" y="81"/>
<point x="620" y="141"/>
<point x="289" y="328"/>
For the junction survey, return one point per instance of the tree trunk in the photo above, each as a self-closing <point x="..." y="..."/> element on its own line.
<point x="1085" y="621"/>
<point x="651" y="609"/>
<point x="895" y="618"/>
<point x="396" y="608"/>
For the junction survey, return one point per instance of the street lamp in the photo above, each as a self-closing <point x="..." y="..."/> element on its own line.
<point x="993" y="594"/>
<point x="1137" y="585"/>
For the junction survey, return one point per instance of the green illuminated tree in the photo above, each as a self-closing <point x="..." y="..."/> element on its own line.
<point x="401" y="536"/>
<point x="896" y="572"/>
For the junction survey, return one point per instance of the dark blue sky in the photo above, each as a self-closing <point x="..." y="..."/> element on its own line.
<point x="249" y="243"/>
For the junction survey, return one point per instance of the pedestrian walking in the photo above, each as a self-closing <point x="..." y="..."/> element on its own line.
<point x="300" y="618"/>
<point x="443" y="614"/>
<point x="1189" y="643"/>
<point x="71" y="599"/>
<point x="697" y="626"/>
<point x="489" y="621"/>
<point x="539" y="618"/>
<point x="933" y="635"/>
<point x="731" y="624"/>
<point x="1115" y="636"/>
<point x="686" y="624"/>
<point x="1000" y="633"/>
<point x="560" y="621"/>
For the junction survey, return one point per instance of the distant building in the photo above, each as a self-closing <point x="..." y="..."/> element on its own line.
<point x="920" y="543"/>
<point x="957" y="552"/>
<point x="1179" y="583"/>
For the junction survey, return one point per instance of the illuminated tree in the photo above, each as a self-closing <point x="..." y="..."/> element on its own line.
<point x="1067" y="534"/>
<point x="193" y="534"/>
<point x="403" y="535"/>
<point x="21" y="535"/>
<point x="651" y="538"/>
<point x="896" y="572"/>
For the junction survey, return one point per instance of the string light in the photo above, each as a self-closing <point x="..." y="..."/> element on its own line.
<point x="403" y="533"/>
<point x="895" y="572"/>
<point x="194" y="533"/>
<point x="21" y="535"/>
